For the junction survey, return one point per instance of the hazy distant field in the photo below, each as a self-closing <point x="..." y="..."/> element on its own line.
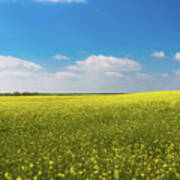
<point x="90" y="137"/>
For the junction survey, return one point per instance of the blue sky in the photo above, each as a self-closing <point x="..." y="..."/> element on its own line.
<point x="89" y="45"/>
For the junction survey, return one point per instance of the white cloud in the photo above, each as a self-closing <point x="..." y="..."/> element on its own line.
<point x="178" y="72"/>
<point x="60" y="57"/>
<point x="94" y="74"/>
<point x="157" y="54"/>
<point x="15" y="67"/>
<point x="66" y="75"/>
<point x="164" y="75"/>
<point x="44" y="82"/>
<point x="102" y="63"/>
<point x="62" y="1"/>
<point x="15" y="74"/>
<point x="9" y="62"/>
<point x="143" y="76"/>
<point x="177" y="56"/>
<point x="114" y="74"/>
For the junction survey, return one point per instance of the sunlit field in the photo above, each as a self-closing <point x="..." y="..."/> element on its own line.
<point x="89" y="137"/>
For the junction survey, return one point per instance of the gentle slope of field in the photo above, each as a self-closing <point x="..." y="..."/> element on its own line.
<point x="135" y="136"/>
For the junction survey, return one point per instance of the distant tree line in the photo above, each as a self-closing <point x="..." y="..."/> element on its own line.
<point x="16" y="93"/>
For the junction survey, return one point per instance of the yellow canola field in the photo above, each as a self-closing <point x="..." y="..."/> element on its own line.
<point x="89" y="137"/>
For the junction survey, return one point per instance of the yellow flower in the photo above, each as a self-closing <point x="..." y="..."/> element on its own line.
<point x="31" y="165"/>
<point x="7" y="175"/>
<point x="51" y="162"/>
<point x="61" y="175"/>
<point x="116" y="174"/>
<point x="96" y="171"/>
<point x="96" y="167"/>
<point x="177" y="175"/>
<point x="156" y="161"/>
<point x="116" y="166"/>
<point x="18" y="178"/>
<point x="80" y="172"/>
<point x="93" y="159"/>
<point x="40" y="172"/>
<point x="149" y="169"/>
<point x="72" y="171"/>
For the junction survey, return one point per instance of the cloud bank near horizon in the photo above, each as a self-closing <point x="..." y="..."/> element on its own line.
<point x="96" y="73"/>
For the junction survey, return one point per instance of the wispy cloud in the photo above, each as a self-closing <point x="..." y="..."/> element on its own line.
<point x="114" y="74"/>
<point x="178" y="72"/>
<point x="65" y="75"/>
<point x="9" y="62"/>
<point x="177" y="56"/>
<point x="60" y="57"/>
<point x="15" y="73"/>
<point x="157" y="54"/>
<point x="16" y="67"/>
<point x="143" y="76"/>
<point x="164" y="75"/>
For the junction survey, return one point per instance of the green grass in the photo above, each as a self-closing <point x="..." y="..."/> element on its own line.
<point x="135" y="136"/>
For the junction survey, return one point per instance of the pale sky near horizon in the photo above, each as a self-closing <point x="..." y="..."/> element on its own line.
<point x="89" y="45"/>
